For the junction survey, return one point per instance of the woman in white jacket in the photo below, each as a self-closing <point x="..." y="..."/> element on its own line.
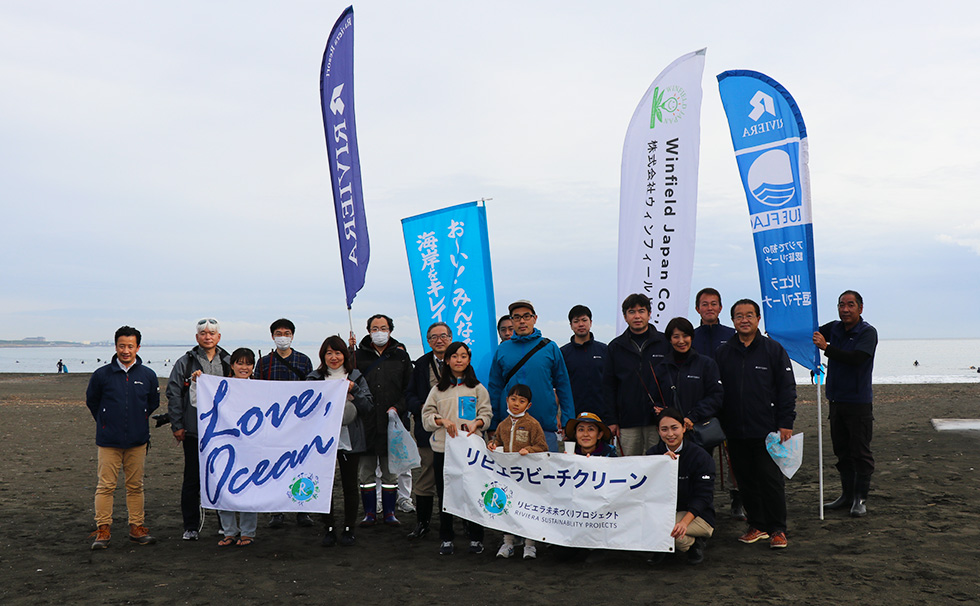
<point x="457" y="403"/>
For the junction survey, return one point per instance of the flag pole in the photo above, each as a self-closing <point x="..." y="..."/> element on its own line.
<point x="819" y="376"/>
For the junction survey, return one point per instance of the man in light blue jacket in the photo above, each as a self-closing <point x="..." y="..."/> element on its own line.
<point x="543" y="371"/>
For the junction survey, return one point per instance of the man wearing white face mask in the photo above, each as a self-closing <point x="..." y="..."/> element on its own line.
<point x="388" y="369"/>
<point x="284" y="364"/>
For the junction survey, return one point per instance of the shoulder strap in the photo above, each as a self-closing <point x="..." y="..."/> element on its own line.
<point x="381" y="358"/>
<point x="527" y="356"/>
<point x="285" y="363"/>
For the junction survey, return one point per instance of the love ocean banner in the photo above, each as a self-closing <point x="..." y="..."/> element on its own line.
<point x="449" y="261"/>
<point x="658" y="192"/>
<point x="772" y="154"/>
<point x="337" y="102"/>
<point x="268" y="445"/>
<point x="564" y="499"/>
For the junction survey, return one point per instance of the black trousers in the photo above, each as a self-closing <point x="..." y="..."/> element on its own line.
<point x="850" y="432"/>
<point x="446" y="531"/>
<point x="348" y="481"/>
<point x="190" y="490"/>
<point x="760" y="483"/>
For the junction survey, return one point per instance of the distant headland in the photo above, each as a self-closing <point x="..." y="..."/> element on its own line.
<point x="42" y="342"/>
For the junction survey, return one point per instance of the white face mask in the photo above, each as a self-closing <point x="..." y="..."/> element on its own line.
<point x="283" y="343"/>
<point x="379" y="338"/>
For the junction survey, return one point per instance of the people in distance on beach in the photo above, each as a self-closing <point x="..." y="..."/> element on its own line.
<point x="760" y="398"/>
<point x="520" y="433"/>
<point x="121" y="396"/>
<point x="849" y="344"/>
<point x="428" y="370"/>
<point x="204" y="358"/>
<point x="61" y="366"/>
<point x="284" y="364"/>
<point x="458" y="403"/>
<point x="544" y="372"/>
<point x="584" y="358"/>
<point x="388" y="369"/>
<point x="242" y="365"/>
<point x="337" y="364"/>
<point x="632" y="395"/>
<point x="695" y="518"/>
<point x="708" y="337"/>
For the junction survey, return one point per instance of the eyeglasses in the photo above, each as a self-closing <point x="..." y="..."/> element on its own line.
<point x="748" y="316"/>
<point x="440" y="337"/>
<point x="376" y="329"/>
<point x="518" y="317"/>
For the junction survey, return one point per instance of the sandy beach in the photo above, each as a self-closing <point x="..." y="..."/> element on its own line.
<point x="919" y="544"/>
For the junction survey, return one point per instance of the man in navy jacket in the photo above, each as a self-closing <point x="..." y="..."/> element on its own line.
<point x="711" y="333"/>
<point x="121" y="396"/>
<point x="584" y="359"/>
<point x="760" y="398"/>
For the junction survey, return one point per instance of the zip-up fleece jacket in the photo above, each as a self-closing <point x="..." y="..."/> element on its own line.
<point x="544" y="373"/>
<point x="520" y="432"/>
<point x="692" y="386"/>
<point x="695" y="480"/>
<point x="387" y="381"/>
<point x="445" y="405"/>
<point x="584" y="364"/>
<point x="182" y="414"/>
<point x="760" y="389"/>
<point x="629" y="382"/>
<point x="121" y="403"/>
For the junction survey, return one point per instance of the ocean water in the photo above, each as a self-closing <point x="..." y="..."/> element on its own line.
<point x="940" y="360"/>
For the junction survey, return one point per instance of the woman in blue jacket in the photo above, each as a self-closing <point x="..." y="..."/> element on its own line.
<point x="695" y="518"/>
<point x="690" y="382"/>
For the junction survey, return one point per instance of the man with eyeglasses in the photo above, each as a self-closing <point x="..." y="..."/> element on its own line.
<point x="632" y="396"/>
<point x="284" y="364"/>
<point x="388" y="369"/>
<point x="584" y="359"/>
<point x="530" y="359"/>
<point x="205" y="358"/>
<point x="428" y="370"/>
<point x="760" y="398"/>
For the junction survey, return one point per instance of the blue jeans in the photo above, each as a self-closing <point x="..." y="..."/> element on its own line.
<point x="551" y="437"/>
<point x="249" y="521"/>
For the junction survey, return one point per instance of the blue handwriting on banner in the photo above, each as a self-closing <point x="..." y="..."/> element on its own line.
<point x="248" y="424"/>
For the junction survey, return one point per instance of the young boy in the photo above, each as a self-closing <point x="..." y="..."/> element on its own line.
<point x="520" y="433"/>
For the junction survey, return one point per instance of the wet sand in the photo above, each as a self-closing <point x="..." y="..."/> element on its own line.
<point x="920" y="542"/>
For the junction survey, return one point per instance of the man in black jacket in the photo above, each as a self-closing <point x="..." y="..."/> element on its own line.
<point x="121" y="395"/>
<point x="584" y="358"/>
<point x="632" y="395"/>
<point x="760" y="398"/>
<point x="428" y="370"/>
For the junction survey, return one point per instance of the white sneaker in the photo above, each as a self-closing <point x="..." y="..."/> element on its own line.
<point x="190" y="535"/>
<point x="405" y="505"/>
<point x="530" y="552"/>
<point x="506" y="550"/>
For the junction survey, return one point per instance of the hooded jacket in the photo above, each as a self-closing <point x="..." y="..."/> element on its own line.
<point x="630" y="387"/>
<point x="544" y="373"/>
<point x="121" y="403"/>
<point x="387" y="381"/>
<point x="760" y="389"/>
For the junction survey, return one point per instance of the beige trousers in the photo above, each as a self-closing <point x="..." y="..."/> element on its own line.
<point x="698" y="528"/>
<point x="131" y="460"/>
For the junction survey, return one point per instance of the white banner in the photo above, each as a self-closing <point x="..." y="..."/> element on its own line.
<point x="571" y="500"/>
<point x="658" y="192"/>
<point x="268" y="445"/>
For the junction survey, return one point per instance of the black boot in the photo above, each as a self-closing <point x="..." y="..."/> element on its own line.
<point x="695" y="555"/>
<point x="738" y="511"/>
<point x="862" y="484"/>
<point x="423" y="514"/>
<point x="329" y="537"/>
<point x="846" y="498"/>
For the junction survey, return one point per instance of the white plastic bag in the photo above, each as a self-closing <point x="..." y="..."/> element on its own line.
<point x="403" y="454"/>
<point x="788" y="455"/>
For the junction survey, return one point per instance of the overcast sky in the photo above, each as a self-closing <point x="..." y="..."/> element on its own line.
<point x="163" y="162"/>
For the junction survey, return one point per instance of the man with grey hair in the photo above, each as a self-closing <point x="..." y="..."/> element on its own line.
<point x="204" y="358"/>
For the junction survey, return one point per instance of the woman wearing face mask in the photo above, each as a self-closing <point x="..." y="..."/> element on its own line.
<point x="458" y="403"/>
<point x="689" y="381"/>
<point x="695" y="518"/>
<point x="336" y="365"/>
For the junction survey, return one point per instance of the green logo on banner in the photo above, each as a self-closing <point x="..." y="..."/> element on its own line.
<point x="668" y="105"/>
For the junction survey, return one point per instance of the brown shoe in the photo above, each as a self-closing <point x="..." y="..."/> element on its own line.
<point x="140" y="535"/>
<point x="101" y="537"/>
<point x="753" y="535"/>
<point x="778" y="541"/>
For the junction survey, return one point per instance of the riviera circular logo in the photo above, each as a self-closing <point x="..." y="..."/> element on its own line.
<point x="496" y="499"/>
<point x="304" y="488"/>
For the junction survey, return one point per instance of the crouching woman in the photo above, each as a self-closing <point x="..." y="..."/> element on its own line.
<point x="695" y="517"/>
